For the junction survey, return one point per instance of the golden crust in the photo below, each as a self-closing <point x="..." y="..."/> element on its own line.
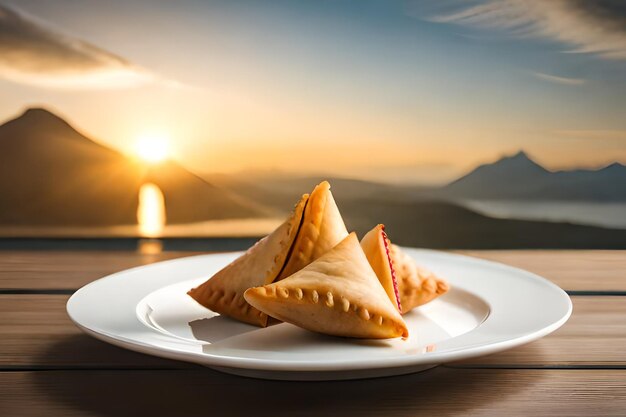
<point x="375" y="244"/>
<point x="417" y="286"/>
<point x="337" y="294"/>
<point x="322" y="229"/>
<point x="260" y="265"/>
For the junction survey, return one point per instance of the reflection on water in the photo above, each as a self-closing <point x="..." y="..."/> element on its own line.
<point x="595" y="213"/>
<point x="150" y="246"/>
<point x="151" y="210"/>
<point x="223" y="228"/>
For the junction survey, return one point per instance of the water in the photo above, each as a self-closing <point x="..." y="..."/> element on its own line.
<point x="611" y="215"/>
<point x="229" y="228"/>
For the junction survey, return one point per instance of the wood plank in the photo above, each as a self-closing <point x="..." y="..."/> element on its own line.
<point x="440" y="391"/>
<point x="37" y="332"/>
<point x="595" y="335"/>
<point x="572" y="270"/>
<point x="69" y="269"/>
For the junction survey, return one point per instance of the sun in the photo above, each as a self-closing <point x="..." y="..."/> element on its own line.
<point x="152" y="147"/>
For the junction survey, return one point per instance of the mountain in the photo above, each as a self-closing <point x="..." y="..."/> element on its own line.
<point x="50" y="174"/>
<point x="444" y="225"/>
<point x="423" y="222"/>
<point x="280" y="190"/>
<point x="519" y="177"/>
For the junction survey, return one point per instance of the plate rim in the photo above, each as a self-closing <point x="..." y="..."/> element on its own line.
<point x="278" y="365"/>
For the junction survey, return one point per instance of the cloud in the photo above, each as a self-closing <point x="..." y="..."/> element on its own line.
<point x="32" y="53"/>
<point x="558" y="80"/>
<point x="597" y="27"/>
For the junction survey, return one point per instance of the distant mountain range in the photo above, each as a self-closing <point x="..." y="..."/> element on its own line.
<point x="50" y="174"/>
<point x="430" y="217"/>
<point x="518" y="177"/>
<point x="515" y="177"/>
<point x="415" y="220"/>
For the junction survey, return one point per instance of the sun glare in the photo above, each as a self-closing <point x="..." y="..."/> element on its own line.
<point x="152" y="147"/>
<point x="151" y="210"/>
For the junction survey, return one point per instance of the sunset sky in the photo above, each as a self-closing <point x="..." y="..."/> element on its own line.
<point x="409" y="91"/>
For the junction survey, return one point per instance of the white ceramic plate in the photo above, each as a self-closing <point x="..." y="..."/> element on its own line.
<point x="491" y="307"/>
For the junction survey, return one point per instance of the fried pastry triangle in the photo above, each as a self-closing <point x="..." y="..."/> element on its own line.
<point x="322" y="228"/>
<point x="260" y="265"/>
<point x="375" y="244"/>
<point x="417" y="286"/>
<point x="337" y="294"/>
<point x="404" y="282"/>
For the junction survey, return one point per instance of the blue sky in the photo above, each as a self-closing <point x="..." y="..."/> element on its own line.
<point x="394" y="90"/>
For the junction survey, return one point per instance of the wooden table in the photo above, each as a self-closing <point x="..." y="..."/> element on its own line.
<point x="48" y="367"/>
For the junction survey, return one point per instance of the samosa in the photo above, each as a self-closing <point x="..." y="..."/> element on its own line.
<point x="337" y="294"/>
<point x="407" y="285"/>
<point x="313" y="228"/>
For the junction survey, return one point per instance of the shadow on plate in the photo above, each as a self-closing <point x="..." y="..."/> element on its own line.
<point x="280" y="337"/>
<point x="217" y="328"/>
<point x="222" y="332"/>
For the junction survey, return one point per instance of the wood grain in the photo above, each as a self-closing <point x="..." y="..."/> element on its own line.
<point x="71" y="270"/>
<point x="595" y="335"/>
<point x="440" y="391"/>
<point x="77" y="375"/>
<point x="571" y="270"/>
<point x="36" y="332"/>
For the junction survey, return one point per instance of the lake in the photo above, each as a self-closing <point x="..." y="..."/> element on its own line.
<point x="235" y="228"/>
<point x="611" y="215"/>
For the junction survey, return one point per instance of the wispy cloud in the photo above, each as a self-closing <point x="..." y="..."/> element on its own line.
<point x="557" y="79"/>
<point x="597" y="27"/>
<point x="32" y="53"/>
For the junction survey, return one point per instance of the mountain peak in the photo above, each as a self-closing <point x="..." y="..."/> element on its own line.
<point x="615" y="166"/>
<point x="521" y="154"/>
<point x="38" y="122"/>
<point x="40" y="127"/>
<point x="37" y="110"/>
<point x="517" y="161"/>
<point x="508" y="170"/>
<point x="41" y="114"/>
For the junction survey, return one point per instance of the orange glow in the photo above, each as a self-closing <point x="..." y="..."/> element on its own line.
<point x="151" y="210"/>
<point x="150" y="246"/>
<point x="152" y="147"/>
